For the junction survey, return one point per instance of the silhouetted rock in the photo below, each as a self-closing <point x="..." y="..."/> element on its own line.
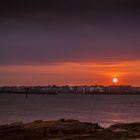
<point x="68" y="130"/>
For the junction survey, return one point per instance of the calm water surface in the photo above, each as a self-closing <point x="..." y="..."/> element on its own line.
<point x="104" y="109"/>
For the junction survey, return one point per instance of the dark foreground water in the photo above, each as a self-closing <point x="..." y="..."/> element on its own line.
<point x="104" y="109"/>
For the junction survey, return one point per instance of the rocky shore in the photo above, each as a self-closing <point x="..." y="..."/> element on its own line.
<point x="68" y="130"/>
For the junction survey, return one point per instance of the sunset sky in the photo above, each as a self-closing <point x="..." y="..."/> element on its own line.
<point x="75" y="42"/>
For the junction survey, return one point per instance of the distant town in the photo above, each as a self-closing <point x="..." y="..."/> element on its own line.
<point x="54" y="90"/>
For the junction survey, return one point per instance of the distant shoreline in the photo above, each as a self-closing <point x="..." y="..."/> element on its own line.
<point x="48" y="93"/>
<point x="84" y="90"/>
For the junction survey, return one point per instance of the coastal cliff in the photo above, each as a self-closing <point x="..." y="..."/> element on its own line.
<point x="68" y="130"/>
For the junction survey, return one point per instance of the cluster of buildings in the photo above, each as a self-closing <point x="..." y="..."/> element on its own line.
<point x="95" y="89"/>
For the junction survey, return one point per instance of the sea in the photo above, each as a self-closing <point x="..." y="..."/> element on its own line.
<point x="103" y="109"/>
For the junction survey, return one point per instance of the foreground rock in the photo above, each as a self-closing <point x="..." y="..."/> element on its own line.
<point x="68" y="130"/>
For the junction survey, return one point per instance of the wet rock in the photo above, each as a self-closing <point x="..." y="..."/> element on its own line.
<point x="131" y="130"/>
<point x="131" y="127"/>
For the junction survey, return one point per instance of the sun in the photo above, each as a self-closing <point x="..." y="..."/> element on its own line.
<point x="115" y="80"/>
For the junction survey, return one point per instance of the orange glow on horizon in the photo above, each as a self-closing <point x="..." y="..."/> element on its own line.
<point x="128" y="73"/>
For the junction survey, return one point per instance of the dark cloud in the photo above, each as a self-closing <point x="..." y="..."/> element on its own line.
<point x="24" y="44"/>
<point x="42" y="32"/>
<point x="64" y="7"/>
